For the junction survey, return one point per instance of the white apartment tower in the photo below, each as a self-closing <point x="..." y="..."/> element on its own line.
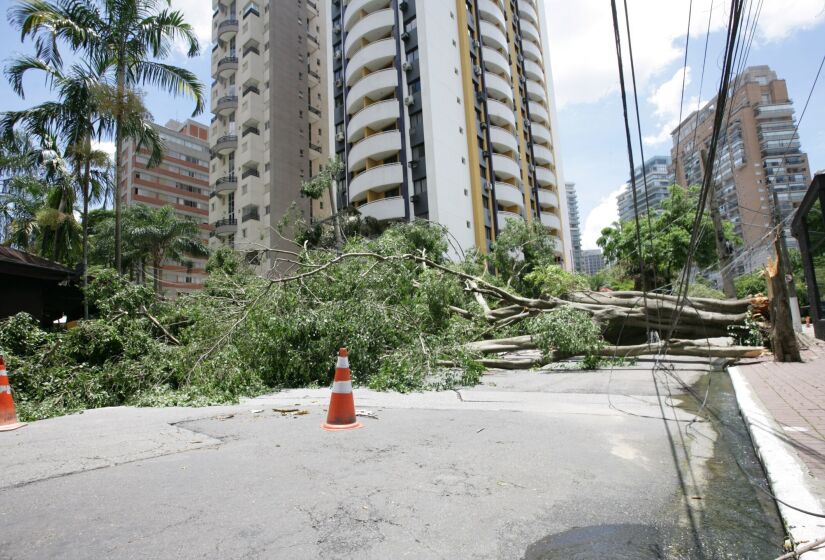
<point x="269" y="128"/>
<point x="447" y="114"/>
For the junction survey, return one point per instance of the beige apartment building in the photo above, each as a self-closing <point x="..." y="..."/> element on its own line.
<point x="182" y="181"/>
<point x="269" y="128"/>
<point x="444" y="110"/>
<point x="759" y="153"/>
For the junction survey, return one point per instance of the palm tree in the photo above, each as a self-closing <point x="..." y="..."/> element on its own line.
<point x="37" y="197"/>
<point x="128" y="38"/>
<point x="82" y="114"/>
<point x="160" y="233"/>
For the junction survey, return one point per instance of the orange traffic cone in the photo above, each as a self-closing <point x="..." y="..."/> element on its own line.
<point x="341" y="415"/>
<point x="8" y="417"/>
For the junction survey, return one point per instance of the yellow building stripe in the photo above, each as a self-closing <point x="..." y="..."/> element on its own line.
<point x="471" y="129"/>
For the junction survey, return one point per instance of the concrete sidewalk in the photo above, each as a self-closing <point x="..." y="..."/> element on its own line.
<point x="784" y="408"/>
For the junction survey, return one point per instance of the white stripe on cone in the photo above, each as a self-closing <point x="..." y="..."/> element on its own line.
<point x="343" y="362"/>
<point x="342" y="387"/>
<point x="5" y="389"/>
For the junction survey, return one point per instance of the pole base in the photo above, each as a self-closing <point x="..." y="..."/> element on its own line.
<point x="10" y="427"/>
<point x="341" y="427"/>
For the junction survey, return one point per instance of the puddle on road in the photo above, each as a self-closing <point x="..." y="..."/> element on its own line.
<point x="732" y="520"/>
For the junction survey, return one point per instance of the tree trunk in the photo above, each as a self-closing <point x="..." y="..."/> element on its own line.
<point x="156" y="272"/>
<point x="121" y="91"/>
<point x="86" y="181"/>
<point x="336" y="225"/>
<point x="783" y="337"/>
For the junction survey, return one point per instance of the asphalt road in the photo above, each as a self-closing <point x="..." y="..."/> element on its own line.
<point x="528" y="465"/>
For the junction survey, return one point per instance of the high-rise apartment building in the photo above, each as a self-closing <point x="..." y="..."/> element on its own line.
<point x="592" y="261"/>
<point x="443" y="110"/>
<point x="659" y="179"/>
<point x="575" y="225"/>
<point x="270" y="126"/>
<point x="180" y="181"/>
<point x="758" y="153"/>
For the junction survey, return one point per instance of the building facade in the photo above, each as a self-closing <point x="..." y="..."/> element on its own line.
<point x="446" y="114"/>
<point x="759" y="154"/>
<point x="592" y="261"/>
<point x="270" y="121"/>
<point x="181" y="181"/>
<point x="574" y="221"/>
<point x="659" y="179"/>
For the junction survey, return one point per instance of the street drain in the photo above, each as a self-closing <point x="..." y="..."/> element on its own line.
<point x="618" y="542"/>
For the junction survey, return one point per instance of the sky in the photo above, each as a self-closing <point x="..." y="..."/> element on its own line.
<point x="586" y="86"/>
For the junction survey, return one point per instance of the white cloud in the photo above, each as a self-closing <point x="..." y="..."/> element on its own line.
<point x="667" y="106"/>
<point x="108" y="147"/>
<point x="600" y="217"/>
<point x="198" y="14"/>
<point x="583" y="51"/>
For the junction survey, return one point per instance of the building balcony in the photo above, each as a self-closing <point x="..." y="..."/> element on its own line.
<point x="493" y="37"/>
<point x="384" y="209"/>
<point x="250" y="212"/>
<point x="226" y="185"/>
<point x="536" y="91"/>
<point x="315" y="151"/>
<point x="315" y="114"/>
<point x="548" y="199"/>
<point x="528" y="12"/>
<point x="503" y="140"/>
<point x="557" y="242"/>
<point x="779" y="110"/>
<point x="376" y="147"/>
<point x="375" y="56"/>
<point x="543" y="156"/>
<point x="532" y="51"/>
<point x="541" y="133"/>
<point x="505" y="167"/>
<point x="226" y="226"/>
<point x="313" y="78"/>
<point x="491" y="11"/>
<point x="545" y="177"/>
<point x="227" y="65"/>
<point x="228" y="28"/>
<point x="371" y="28"/>
<point x="377" y="116"/>
<point x="538" y="113"/>
<point x="533" y="71"/>
<point x="378" y="179"/>
<point x="312" y="43"/>
<point x="529" y="31"/>
<point x="225" y="144"/>
<point x="226" y="104"/>
<point x="377" y="85"/>
<point x="505" y="217"/>
<point x="509" y="195"/>
<point x="356" y="9"/>
<point x="496" y="62"/>
<point x="551" y="221"/>
<point x="501" y="114"/>
<point x="498" y="87"/>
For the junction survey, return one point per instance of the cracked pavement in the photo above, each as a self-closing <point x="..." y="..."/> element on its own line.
<point x="492" y="472"/>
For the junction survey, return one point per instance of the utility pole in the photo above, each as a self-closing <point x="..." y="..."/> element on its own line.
<point x="783" y="246"/>
<point x="783" y="334"/>
<point x="728" y="285"/>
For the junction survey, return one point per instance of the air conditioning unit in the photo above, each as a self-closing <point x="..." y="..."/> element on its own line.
<point x="339" y="82"/>
<point x="483" y="126"/>
<point x="336" y="28"/>
<point x="476" y="44"/>
<point x="339" y="137"/>
<point x="477" y="70"/>
<point x="403" y="5"/>
<point x="406" y="66"/>
<point x="409" y="100"/>
<point x="338" y="55"/>
<point x="520" y="58"/>
<point x="405" y="36"/>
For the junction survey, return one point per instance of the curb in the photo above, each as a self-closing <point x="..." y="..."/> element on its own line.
<point x="785" y="471"/>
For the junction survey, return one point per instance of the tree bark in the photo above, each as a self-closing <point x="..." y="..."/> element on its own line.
<point x="121" y="91"/>
<point x="86" y="181"/>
